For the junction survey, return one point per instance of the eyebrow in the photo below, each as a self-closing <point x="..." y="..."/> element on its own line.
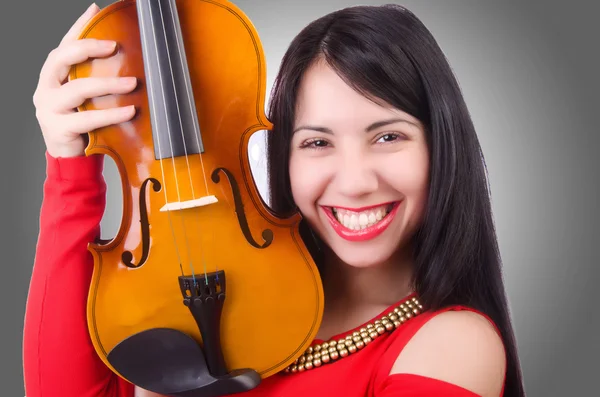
<point x="374" y="126"/>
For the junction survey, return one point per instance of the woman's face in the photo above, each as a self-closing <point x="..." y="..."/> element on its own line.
<point x="359" y="171"/>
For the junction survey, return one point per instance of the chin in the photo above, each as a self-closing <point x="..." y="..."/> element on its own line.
<point x="360" y="257"/>
<point x="361" y="260"/>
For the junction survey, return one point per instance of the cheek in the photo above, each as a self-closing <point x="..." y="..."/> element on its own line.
<point x="308" y="181"/>
<point x="408" y="174"/>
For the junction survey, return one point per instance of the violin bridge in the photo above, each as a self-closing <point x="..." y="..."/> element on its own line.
<point x="180" y="205"/>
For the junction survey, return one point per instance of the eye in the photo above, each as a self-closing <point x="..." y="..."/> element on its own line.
<point x="315" y="143"/>
<point x="389" y="137"/>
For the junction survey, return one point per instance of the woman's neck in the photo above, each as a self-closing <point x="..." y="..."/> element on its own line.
<point x="355" y="295"/>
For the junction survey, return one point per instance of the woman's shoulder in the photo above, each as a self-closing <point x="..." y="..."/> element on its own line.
<point x="458" y="345"/>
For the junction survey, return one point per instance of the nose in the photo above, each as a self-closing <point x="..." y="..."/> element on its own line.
<point x="355" y="174"/>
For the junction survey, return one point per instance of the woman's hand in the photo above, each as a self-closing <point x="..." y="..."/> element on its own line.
<point x="56" y="100"/>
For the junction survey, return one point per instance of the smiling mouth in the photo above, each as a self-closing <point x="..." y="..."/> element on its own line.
<point x="362" y="224"/>
<point x="360" y="220"/>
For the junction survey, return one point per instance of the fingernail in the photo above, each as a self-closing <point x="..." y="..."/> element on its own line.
<point x="128" y="80"/>
<point x="93" y="7"/>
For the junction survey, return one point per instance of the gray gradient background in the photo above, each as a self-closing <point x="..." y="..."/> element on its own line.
<point x="529" y="75"/>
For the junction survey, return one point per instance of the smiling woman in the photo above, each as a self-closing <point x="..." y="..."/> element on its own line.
<point x="362" y="174"/>
<point x="373" y="144"/>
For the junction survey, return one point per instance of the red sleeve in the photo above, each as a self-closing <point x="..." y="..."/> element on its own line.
<point x="410" y="385"/>
<point x="58" y="356"/>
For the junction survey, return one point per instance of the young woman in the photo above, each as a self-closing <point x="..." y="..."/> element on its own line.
<point x="370" y="129"/>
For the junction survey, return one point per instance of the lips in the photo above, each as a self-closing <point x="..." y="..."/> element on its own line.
<point x="361" y="224"/>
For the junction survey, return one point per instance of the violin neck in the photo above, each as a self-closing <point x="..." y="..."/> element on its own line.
<point x="175" y="127"/>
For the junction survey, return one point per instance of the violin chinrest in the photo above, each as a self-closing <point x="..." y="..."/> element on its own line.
<point x="172" y="363"/>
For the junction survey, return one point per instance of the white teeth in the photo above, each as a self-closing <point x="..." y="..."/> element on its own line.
<point x="353" y="224"/>
<point x="361" y="220"/>
<point x="372" y="218"/>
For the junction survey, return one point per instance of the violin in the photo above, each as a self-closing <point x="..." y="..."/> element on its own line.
<point x="204" y="290"/>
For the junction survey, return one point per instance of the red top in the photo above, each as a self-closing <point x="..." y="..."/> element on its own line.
<point x="60" y="360"/>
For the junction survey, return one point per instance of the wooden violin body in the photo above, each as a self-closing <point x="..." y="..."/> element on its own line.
<point x="200" y="268"/>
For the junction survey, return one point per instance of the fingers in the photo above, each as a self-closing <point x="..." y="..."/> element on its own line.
<point x="77" y="91"/>
<point x="60" y="60"/>
<point x="78" y="26"/>
<point x="55" y="99"/>
<point x="81" y="122"/>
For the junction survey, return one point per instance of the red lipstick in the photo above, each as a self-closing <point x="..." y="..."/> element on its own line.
<point x="363" y="234"/>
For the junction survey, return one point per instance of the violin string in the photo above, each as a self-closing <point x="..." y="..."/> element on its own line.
<point x="153" y="115"/>
<point x="187" y="85"/>
<point x="187" y="245"/>
<point x="196" y="127"/>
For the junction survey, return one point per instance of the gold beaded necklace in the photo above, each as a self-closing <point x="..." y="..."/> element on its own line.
<point x="333" y="350"/>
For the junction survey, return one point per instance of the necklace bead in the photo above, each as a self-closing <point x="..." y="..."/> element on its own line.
<point x="333" y="350"/>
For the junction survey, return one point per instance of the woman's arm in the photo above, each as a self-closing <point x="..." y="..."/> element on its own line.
<point x="460" y="351"/>
<point x="59" y="358"/>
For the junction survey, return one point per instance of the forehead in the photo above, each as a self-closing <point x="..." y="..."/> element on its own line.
<point x="325" y="98"/>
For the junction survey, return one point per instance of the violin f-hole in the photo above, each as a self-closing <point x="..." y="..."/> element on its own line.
<point x="267" y="234"/>
<point x="127" y="256"/>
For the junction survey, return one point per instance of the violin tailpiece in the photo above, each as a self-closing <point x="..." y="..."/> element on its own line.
<point x="204" y="295"/>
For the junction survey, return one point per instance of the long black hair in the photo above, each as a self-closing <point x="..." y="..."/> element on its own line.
<point x="386" y="52"/>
